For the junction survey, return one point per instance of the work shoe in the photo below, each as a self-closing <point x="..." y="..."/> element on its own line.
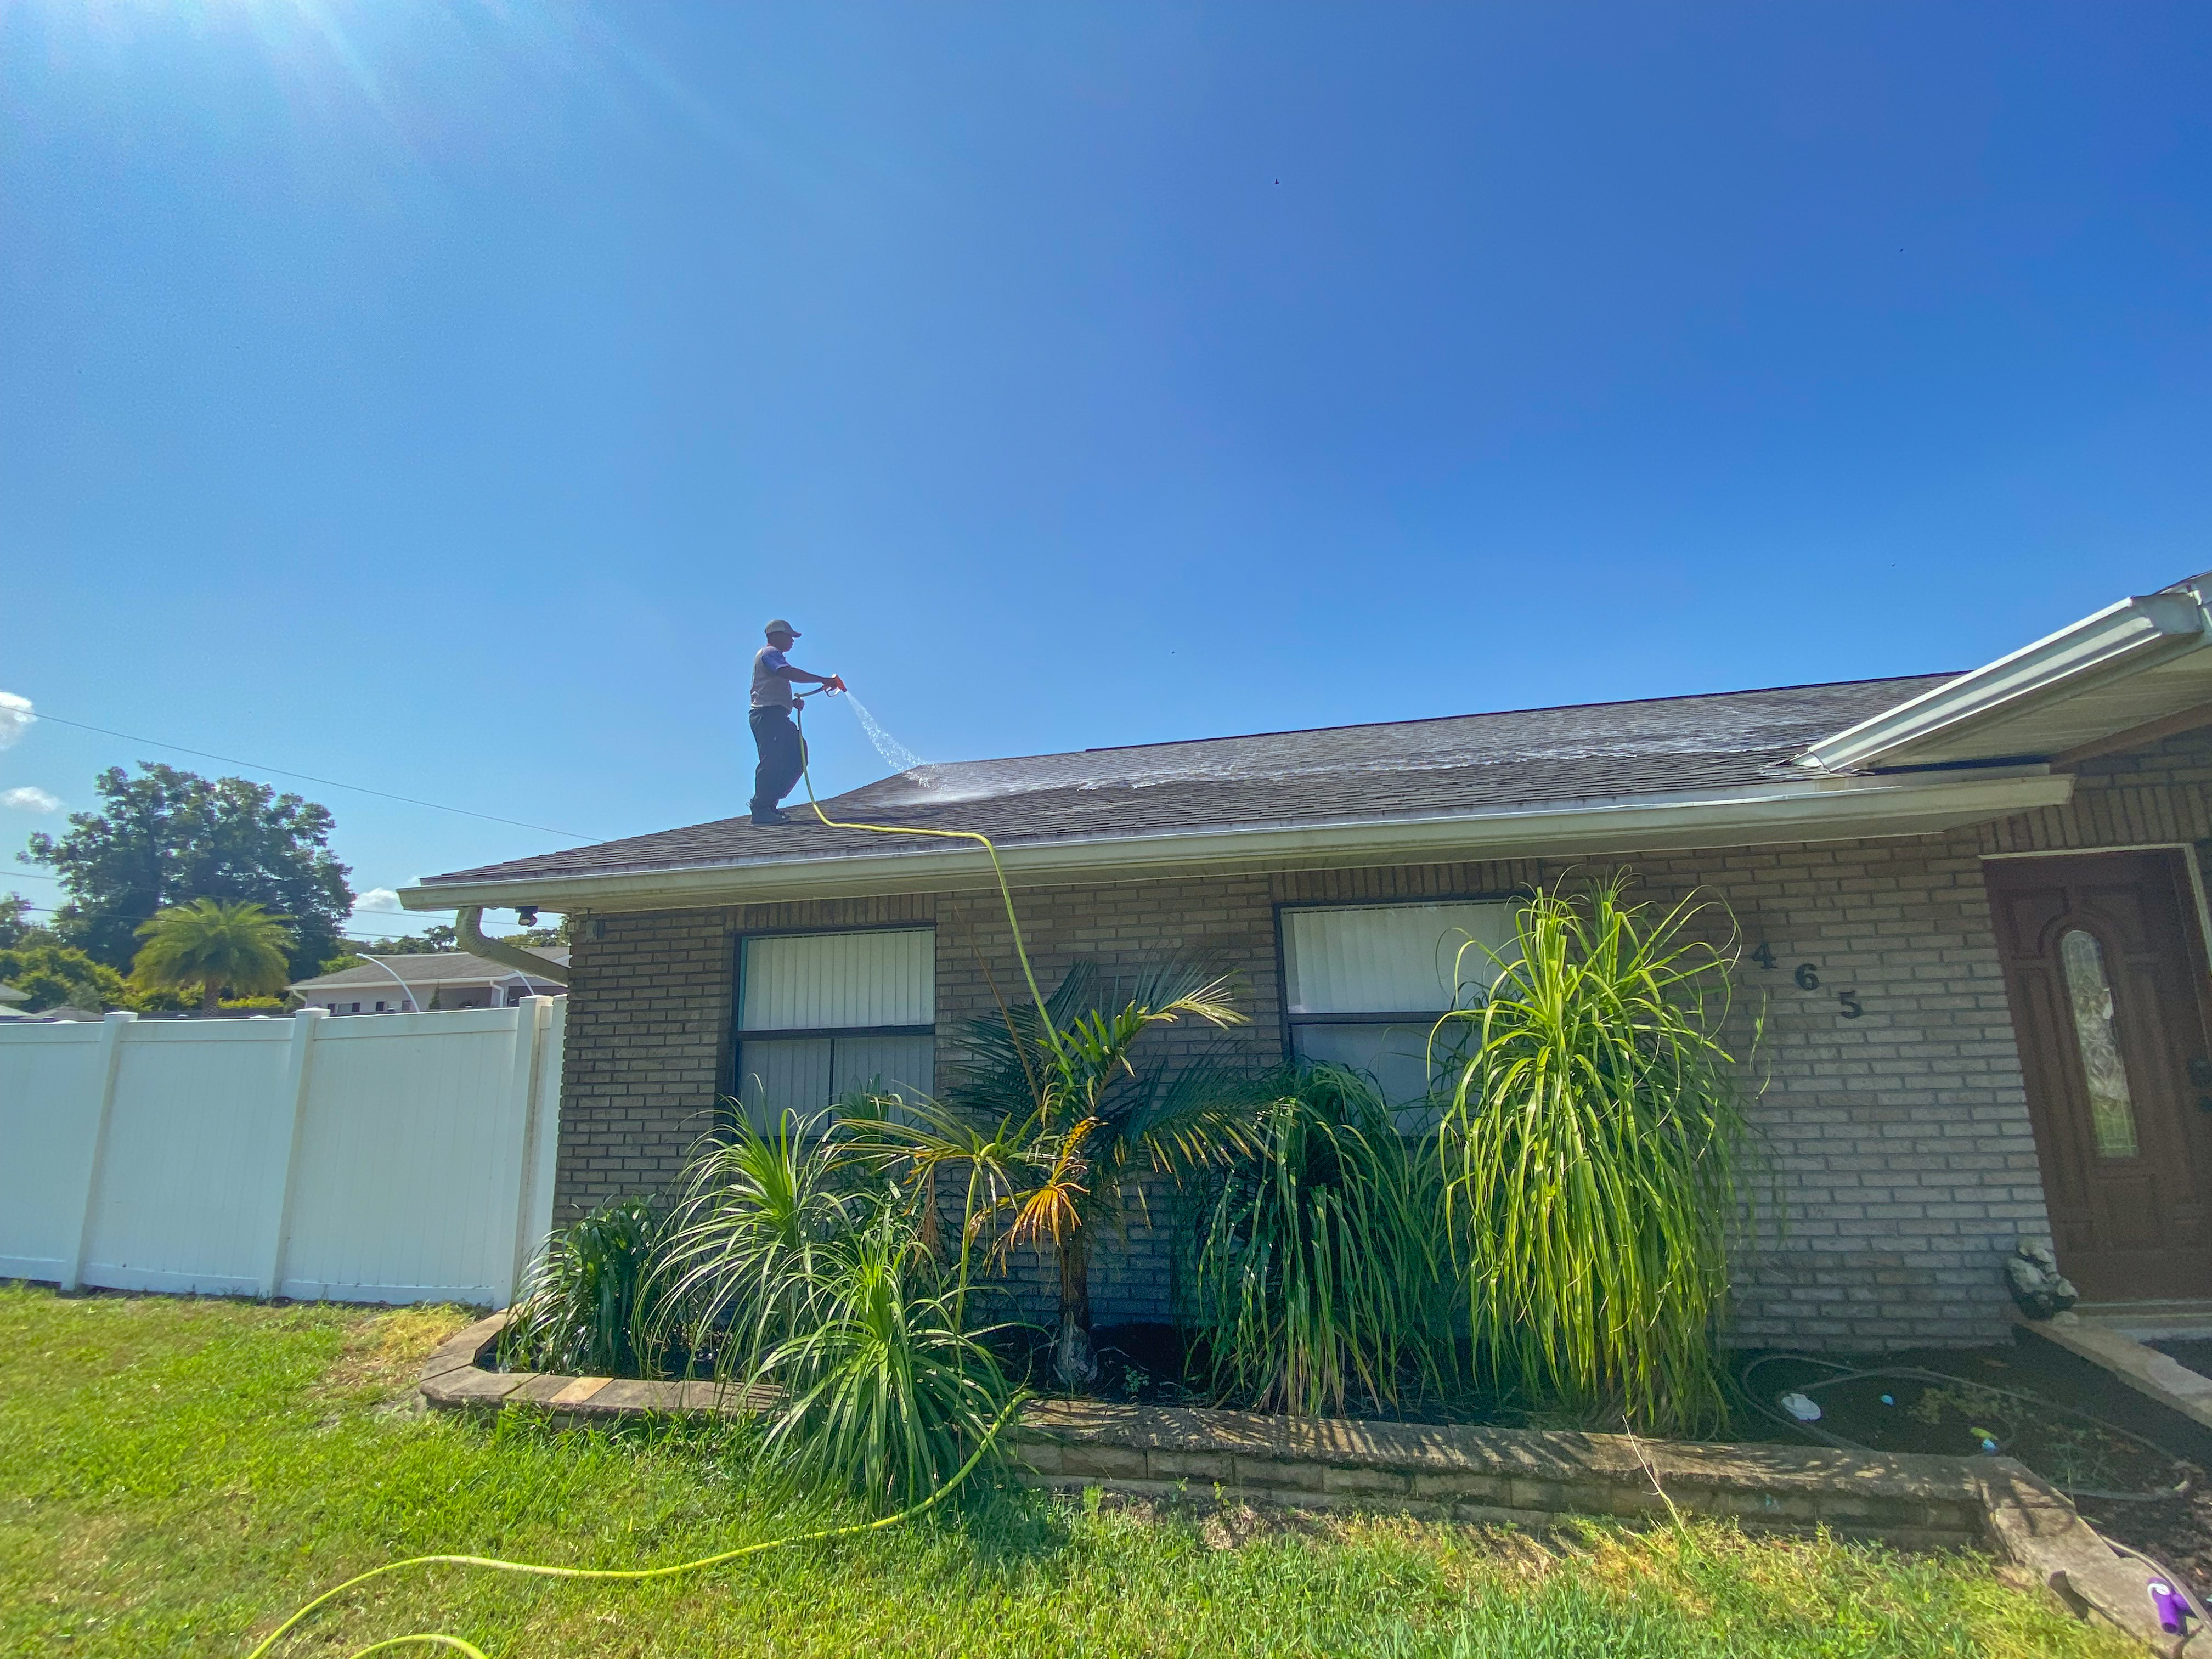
<point x="763" y="819"/>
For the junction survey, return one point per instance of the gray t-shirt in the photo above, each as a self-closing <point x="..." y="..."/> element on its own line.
<point x="771" y="689"/>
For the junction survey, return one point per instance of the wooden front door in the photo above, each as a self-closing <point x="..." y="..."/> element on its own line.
<point x="2105" y="974"/>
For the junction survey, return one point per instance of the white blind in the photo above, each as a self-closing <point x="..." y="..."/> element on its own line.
<point x="1393" y="959"/>
<point x="804" y="1074"/>
<point x="821" y="982"/>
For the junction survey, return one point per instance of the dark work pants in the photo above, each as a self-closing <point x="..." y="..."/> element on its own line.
<point x="781" y="760"/>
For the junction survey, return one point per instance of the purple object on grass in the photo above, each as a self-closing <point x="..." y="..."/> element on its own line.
<point x="2166" y="1601"/>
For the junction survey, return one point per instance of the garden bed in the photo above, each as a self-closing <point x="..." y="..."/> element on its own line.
<point x="1532" y="1478"/>
<point x="180" y="1473"/>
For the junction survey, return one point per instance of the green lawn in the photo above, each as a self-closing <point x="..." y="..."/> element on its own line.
<point x="176" y="1475"/>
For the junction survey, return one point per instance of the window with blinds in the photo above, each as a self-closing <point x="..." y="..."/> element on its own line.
<point x="1364" y="983"/>
<point x="822" y="1014"/>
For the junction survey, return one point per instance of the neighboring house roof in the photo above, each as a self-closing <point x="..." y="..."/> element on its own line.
<point x="423" y="972"/>
<point x="9" y="994"/>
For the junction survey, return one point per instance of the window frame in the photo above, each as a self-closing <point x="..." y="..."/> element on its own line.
<point x="732" y="1103"/>
<point x="1290" y="1022"/>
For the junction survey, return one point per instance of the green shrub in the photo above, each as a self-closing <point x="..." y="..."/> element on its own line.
<point x="883" y="1394"/>
<point x="1592" y="1147"/>
<point x="580" y="1310"/>
<point x="779" y="1273"/>
<point x="58" y="976"/>
<point x="740" y="1246"/>
<point x="1313" y="1265"/>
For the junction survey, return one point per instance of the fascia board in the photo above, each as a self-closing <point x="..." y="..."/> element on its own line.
<point x="1826" y="809"/>
<point x="2132" y="635"/>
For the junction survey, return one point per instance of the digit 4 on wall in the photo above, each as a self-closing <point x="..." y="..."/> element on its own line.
<point x="1807" y="976"/>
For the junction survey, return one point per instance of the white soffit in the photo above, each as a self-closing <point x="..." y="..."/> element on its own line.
<point x="2130" y="663"/>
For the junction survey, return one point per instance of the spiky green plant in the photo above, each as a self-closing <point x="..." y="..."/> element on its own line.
<point x="740" y="1246"/>
<point x="1592" y="1150"/>
<point x="582" y="1309"/>
<point x="1315" y="1265"/>
<point x="1055" y="1112"/>
<point x="882" y="1392"/>
<point x="211" y="943"/>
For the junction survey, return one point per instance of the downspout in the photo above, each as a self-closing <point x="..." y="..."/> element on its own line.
<point x="470" y="938"/>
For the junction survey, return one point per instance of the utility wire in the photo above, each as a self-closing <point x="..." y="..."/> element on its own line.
<point x="309" y="777"/>
<point x="350" y="923"/>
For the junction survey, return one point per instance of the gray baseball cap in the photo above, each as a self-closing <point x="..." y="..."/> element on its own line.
<point x="780" y="626"/>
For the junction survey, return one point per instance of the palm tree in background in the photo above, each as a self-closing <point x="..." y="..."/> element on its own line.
<point x="213" y="943"/>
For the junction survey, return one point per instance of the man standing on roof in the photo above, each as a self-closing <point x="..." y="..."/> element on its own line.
<point x="781" y="757"/>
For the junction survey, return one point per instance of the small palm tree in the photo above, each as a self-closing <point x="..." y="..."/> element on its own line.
<point x="1052" y="1117"/>
<point x="212" y="943"/>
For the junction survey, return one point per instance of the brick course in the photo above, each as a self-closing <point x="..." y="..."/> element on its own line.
<point x="1897" y="1141"/>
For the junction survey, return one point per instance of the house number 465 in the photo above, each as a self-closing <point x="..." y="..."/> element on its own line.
<point x="1807" y="978"/>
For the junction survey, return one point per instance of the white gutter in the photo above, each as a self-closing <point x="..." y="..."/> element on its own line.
<point x="2133" y="634"/>
<point x="1798" y="809"/>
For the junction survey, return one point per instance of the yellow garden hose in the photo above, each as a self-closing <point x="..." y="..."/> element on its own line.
<point x="629" y="1575"/>
<point x="638" y="1575"/>
<point x="1006" y="892"/>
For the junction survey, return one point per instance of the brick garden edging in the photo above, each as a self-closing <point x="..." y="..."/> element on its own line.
<point x="1529" y="1478"/>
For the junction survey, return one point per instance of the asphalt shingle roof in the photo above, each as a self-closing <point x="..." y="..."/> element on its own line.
<point x="1403" y="768"/>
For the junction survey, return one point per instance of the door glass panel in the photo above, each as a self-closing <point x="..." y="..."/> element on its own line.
<point x="2111" y="1107"/>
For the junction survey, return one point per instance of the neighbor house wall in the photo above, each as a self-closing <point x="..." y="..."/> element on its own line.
<point x="1896" y="1143"/>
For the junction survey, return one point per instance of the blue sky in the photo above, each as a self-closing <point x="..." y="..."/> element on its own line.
<point x="437" y="397"/>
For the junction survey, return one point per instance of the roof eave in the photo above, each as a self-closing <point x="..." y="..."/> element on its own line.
<point x="1798" y="809"/>
<point x="2122" y="638"/>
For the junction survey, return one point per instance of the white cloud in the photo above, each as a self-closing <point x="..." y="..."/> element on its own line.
<point x="29" y="797"/>
<point x="377" y="898"/>
<point x="15" y="718"/>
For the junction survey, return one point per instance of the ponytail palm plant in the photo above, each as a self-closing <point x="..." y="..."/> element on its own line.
<point x="1055" y="1111"/>
<point x="1312" y="1263"/>
<point x="1592" y="1150"/>
<point x="211" y="943"/>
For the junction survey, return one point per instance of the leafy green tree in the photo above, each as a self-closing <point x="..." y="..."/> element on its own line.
<point x="438" y="936"/>
<point x="17" y="927"/>
<point x="212" y="944"/>
<point x="168" y="837"/>
<point x="55" y="976"/>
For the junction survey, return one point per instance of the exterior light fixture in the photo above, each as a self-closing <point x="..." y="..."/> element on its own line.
<point x="528" y="915"/>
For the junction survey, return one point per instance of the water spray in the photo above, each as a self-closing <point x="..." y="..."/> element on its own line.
<point x="891" y="749"/>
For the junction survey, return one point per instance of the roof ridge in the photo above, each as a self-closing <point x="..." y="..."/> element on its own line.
<point x="1431" y="720"/>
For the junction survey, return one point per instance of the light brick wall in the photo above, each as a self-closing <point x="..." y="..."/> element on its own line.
<point x="1898" y="1142"/>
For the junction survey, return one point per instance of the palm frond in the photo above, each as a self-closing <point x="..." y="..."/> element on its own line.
<point x="757" y="1208"/>
<point x="582" y="1306"/>
<point x="1312" y="1265"/>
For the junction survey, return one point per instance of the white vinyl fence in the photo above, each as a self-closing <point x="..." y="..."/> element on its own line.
<point x="393" y="1158"/>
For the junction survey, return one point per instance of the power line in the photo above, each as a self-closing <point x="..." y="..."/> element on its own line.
<point x="309" y="777"/>
<point x="351" y="923"/>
